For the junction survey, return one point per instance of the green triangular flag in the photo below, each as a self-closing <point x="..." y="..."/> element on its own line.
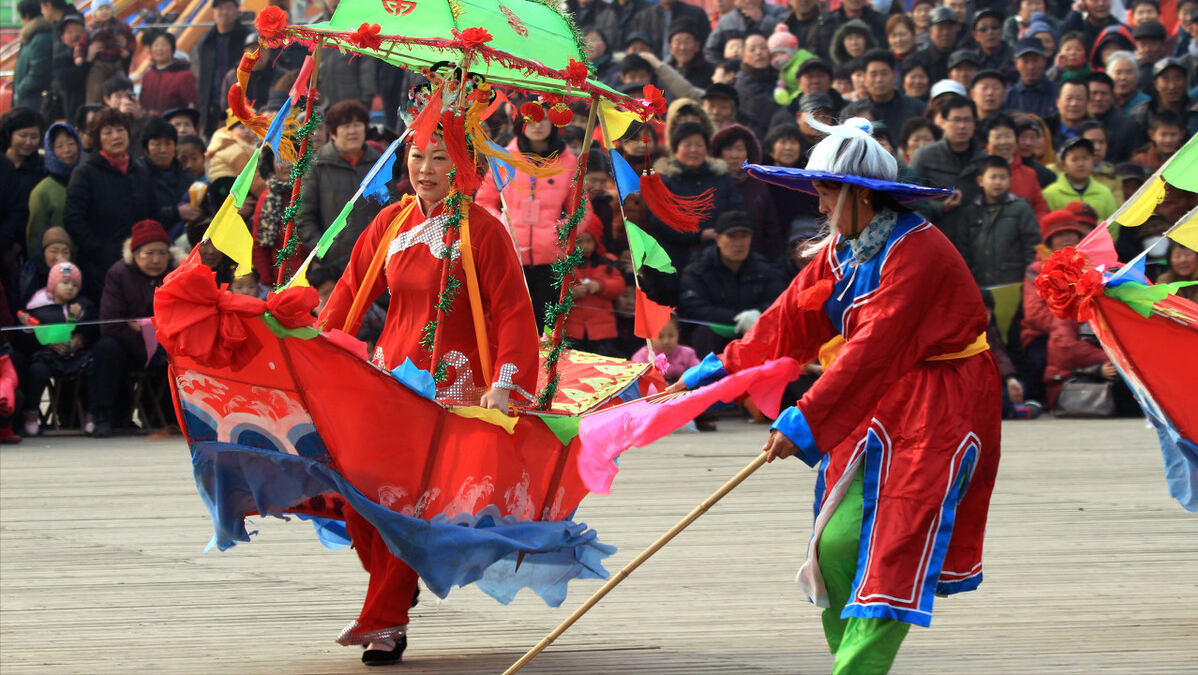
<point x="725" y="331"/>
<point x="565" y="428"/>
<point x="241" y="187"/>
<point x="646" y="250"/>
<point x="326" y="239"/>
<point x="1182" y="169"/>
<point x="54" y="333"/>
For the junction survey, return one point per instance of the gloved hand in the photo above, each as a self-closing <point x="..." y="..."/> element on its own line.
<point x="745" y="320"/>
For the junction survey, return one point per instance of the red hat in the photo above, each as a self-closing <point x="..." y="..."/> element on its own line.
<point x="1084" y="213"/>
<point x="146" y="231"/>
<point x="1060" y="221"/>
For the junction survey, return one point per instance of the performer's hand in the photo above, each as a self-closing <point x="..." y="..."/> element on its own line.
<point x="778" y="446"/>
<point x="497" y="398"/>
<point x="676" y="388"/>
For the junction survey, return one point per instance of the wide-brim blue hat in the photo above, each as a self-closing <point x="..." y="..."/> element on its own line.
<point x="802" y="179"/>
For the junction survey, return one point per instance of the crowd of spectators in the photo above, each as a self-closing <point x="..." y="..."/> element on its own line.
<point x="1042" y="117"/>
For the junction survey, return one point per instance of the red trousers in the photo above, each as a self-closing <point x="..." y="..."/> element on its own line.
<point x="392" y="583"/>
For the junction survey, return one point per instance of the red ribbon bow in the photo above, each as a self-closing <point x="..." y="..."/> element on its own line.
<point x="196" y="319"/>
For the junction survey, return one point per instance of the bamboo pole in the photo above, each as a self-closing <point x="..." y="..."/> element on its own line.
<point x="575" y="204"/>
<point x="303" y="148"/>
<point x="636" y="562"/>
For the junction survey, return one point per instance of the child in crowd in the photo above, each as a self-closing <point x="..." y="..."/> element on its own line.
<point x="59" y="302"/>
<point x="1104" y="171"/>
<point x="997" y="234"/>
<point x="591" y="325"/>
<point x="248" y="285"/>
<point x="1072" y="61"/>
<point x="1165" y="134"/>
<point x="108" y="44"/>
<point x="678" y="356"/>
<point x="1077" y="182"/>
<point x="190" y="153"/>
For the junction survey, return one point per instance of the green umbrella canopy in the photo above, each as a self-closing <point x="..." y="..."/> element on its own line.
<point x="532" y="41"/>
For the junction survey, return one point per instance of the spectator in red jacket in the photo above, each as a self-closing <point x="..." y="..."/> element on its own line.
<point x="595" y="285"/>
<point x="1059" y="229"/>
<point x="168" y="83"/>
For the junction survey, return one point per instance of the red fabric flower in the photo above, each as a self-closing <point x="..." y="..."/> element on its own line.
<point x="576" y="73"/>
<point x="271" y="24"/>
<point x="654" y="100"/>
<point x="367" y="36"/>
<point x="1069" y="284"/>
<point x="472" y="37"/>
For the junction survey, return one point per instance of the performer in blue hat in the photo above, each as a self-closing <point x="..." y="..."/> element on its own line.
<point x="904" y="423"/>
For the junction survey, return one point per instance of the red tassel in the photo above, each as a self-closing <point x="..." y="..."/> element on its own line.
<point x="453" y="126"/>
<point x="425" y="124"/>
<point x="681" y="213"/>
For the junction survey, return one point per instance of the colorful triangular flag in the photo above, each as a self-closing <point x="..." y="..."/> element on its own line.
<point x="650" y="316"/>
<point x="274" y="133"/>
<point x="241" y="186"/>
<point x="627" y="180"/>
<point x="229" y="234"/>
<point x="646" y="250"/>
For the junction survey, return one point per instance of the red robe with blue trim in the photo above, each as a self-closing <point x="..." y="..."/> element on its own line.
<point x="926" y="432"/>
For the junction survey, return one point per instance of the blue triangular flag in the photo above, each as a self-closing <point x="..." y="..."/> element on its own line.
<point x="374" y="185"/>
<point x="501" y="172"/>
<point x="274" y="134"/>
<point x="627" y="180"/>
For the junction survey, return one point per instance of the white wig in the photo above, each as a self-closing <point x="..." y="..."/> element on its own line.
<point x="848" y="149"/>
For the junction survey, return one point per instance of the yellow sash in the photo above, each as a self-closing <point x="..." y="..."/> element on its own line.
<point x="979" y="345"/>
<point x="828" y="352"/>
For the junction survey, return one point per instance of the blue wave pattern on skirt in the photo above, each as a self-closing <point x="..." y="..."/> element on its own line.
<point x="235" y="480"/>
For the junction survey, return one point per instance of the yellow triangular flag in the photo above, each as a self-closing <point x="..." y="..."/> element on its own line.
<point x="1136" y="210"/>
<point x="229" y="234"/>
<point x="615" y="122"/>
<point x="1185" y="232"/>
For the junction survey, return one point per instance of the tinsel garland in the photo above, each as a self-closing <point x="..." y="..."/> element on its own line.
<point x="298" y="170"/>
<point x="562" y="269"/>
<point x="430" y="335"/>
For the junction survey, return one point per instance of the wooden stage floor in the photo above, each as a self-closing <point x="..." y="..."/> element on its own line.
<point x="1090" y="568"/>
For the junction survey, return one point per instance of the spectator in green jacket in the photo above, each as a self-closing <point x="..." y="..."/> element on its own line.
<point x="1076" y="183"/>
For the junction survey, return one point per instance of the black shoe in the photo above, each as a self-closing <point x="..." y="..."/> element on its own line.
<point x="103" y="428"/>
<point x="378" y="657"/>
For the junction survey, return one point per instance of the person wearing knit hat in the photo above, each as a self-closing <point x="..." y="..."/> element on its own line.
<point x="58" y="303"/>
<point x="1063" y="227"/>
<point x="146" y="231"/>
<point x="884" y="423"/>
<point x="787" y="58"/>
<point x="686" y="52"/>
<point x="128" y="295"/>
<point x="64" y="272"/>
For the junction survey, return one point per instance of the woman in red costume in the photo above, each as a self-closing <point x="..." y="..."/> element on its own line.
<point x="402" y="252"/>
<point x="903" y="425"/>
